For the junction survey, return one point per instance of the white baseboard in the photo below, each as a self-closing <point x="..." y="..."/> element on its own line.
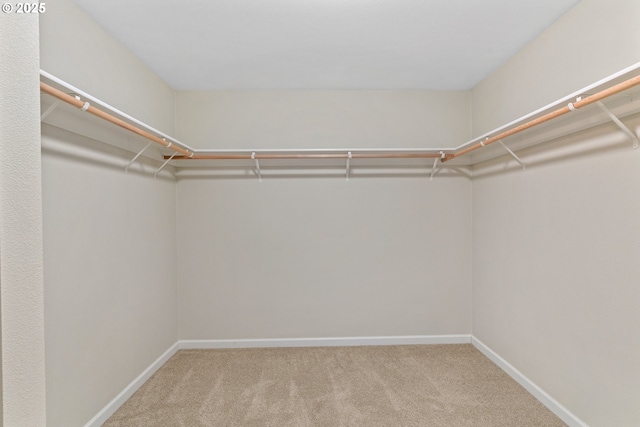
<point x="325" y="342"/>
<point x="128" y="391"/>
<point x="563" y="413"/>
<point x="553" y="405"/>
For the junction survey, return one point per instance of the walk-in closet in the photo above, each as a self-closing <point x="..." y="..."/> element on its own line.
<point x="320" y="213"/>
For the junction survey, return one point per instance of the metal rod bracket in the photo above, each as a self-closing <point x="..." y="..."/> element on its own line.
<point x="253" y="157"/>
<point x="349" y="156"/>
<point x="435" y="165"/>
<point x="126" y="168"/>
<point x="632" y="136"/>
<point x="524" y="166"/>
<point x="85" y="106"/>
<point x="155" y="174"/>
<point x="49" y="110"/>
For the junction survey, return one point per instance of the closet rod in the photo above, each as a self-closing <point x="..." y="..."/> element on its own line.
<point x="235" y="151"/>
<point x="572" y="106"/>
<point x="85" y="106"/>
<point x="442" y="154"/>
<point x="381" y="155"/>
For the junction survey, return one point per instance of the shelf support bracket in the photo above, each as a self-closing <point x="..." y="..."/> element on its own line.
<point x="49" y="110"/>
<point x="85" y="106"/>
<point x="632" y="136"/>
<point x="524" y="166"/>
<point x="126" y="168"/>
<point x="435" y="164"/>
<point x="258" y="172"/>
<point x="155" y="174"/>
<point x="348" y="164"/>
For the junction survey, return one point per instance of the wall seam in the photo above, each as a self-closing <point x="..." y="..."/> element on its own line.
<point x="176" y="208"/>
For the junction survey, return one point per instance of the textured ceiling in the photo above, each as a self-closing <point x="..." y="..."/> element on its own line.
<point x="324" y="44"/>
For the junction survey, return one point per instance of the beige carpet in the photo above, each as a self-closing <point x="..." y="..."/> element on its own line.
<point x="422" y="385"/>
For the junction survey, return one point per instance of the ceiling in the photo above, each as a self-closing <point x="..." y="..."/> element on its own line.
<point x="324" y="44"/>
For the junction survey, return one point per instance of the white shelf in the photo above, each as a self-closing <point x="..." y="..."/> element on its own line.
<point x="622" y="105"/>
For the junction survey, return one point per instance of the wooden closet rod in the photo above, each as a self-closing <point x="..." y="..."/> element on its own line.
<point x="85" y="106"/>
<point x="386" y="155"/>
<point x="192" y="155"/>
<point x="620" y="87"/>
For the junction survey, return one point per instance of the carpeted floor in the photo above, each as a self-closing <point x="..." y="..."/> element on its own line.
<point x="421" y="385"/>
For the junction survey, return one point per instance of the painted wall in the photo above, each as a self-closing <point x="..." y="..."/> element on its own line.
<point x="554" y="248"/>
<point x="21" y="265"/>
<point x="313" y="255"/>
<point x="110" y="273"/>
<point x="323" y="119"/>
<point x="593" y="40"/>
<point x="555" y="271"/>
<point x="77" y="50"/>
<point x="109" y="237"/>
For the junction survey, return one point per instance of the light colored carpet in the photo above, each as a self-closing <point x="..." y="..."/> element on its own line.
<point x="421" y="385"/>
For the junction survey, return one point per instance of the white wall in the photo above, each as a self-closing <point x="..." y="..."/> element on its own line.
<point x="555" y="272"/>
<point x="110" y="273"/>
<point x="555" y="247"/>
<point x="21" y="277"/>
<point x="109" y="237"/>
<point x="315" y="256"/>
<point x="77" y="50"/>
<point x="593" y="40"/>
<point x="323" y="119"/>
